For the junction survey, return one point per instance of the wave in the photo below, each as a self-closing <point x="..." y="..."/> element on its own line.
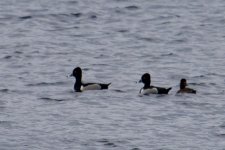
<point x="45" y="84"/>
<point x="50" y="99"/>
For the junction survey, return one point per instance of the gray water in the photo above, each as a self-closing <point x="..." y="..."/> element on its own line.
<point x="112" y="41"/>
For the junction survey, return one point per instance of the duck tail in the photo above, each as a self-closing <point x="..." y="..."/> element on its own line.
<point x="168" y="89"/>
<point x="105" y="86"/>
<point x="194" y="91"/>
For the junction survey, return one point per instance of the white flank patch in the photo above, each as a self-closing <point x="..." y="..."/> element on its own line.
<point x="149" y="91"/>
<point x="91" y="87"/>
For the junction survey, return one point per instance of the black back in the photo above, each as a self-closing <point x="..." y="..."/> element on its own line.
<point x="104" y="86"/>
<point x="163" y="90"/>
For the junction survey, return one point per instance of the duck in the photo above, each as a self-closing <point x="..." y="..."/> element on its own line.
<point x="149" y="89"/>
<point x="79" y="86"/>
<point x="184" y="89"/>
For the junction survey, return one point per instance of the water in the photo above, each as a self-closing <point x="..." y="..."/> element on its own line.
<point x="113" y="41"/>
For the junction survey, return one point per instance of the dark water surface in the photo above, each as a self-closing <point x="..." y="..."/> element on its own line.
<point x="113" y="41"/>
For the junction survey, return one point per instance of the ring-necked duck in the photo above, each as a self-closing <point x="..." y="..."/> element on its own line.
<point x="184" y="89"/>
<point x="79" y="86"/>
<point x="148" y="89"/>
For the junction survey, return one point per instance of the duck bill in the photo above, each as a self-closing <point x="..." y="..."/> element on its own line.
<point x="140" y="81"/>
<point x="71" y="75"/>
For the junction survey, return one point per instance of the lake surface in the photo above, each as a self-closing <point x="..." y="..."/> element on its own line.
<point x="112" y="41"/>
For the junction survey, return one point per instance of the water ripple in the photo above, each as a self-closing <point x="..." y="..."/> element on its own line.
<point x="25" y="17"/>
<point x="114" y="41"/>
<point x="50" y="99"/>
<point x="45" y="84"/>
<point x="4" y="90"/>
<point x="107" y="142"/>
<point x="132" y="7"/>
